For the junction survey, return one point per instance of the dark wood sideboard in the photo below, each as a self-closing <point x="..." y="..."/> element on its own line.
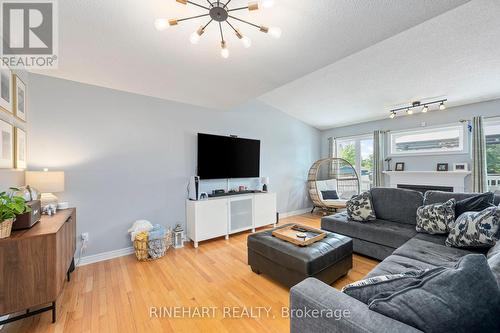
<point x="34" y="264"/>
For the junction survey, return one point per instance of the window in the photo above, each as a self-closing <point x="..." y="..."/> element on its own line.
<point x="492" y="132"/>
<point x="359" y="152"/>
<point x="437" y="140"/>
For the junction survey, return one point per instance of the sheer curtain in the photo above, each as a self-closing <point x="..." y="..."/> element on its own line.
<point x="479" y="171"/>
<point x="378" y="158"/>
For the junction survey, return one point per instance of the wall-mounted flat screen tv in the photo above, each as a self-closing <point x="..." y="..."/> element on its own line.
<point x="221" y="157"/>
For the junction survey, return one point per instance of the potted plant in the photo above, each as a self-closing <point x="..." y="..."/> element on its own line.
<point x="10" y="207"/>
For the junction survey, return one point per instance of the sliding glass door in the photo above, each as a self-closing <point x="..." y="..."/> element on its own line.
<point x="359" y="152"/>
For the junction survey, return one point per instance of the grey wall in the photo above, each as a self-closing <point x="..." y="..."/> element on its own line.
<point x="419" y="163"/>
<point x="129" y="157"/>
<point x="14" y="177"/>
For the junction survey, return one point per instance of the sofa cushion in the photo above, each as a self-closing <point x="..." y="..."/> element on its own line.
<point x="475" y="203"/>
<point x="475" y="229"/>
<point x="447" y="301"/>
<point x="435" y="218"/>
<point x="432" y="197"/>
<point x="494" y="261"/>
<point x="359" y="208"/>
<point x="378" y="231"/>
<point x="395" y="264"/>
<point x="398" y="205"/>
<point x="431" y="253"/>
<point x="329" y="195"/>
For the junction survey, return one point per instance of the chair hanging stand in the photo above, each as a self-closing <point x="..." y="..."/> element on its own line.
<point x="330" y="174"/>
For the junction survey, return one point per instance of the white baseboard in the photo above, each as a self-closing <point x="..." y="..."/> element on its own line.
<point x="87" y="260"/>
<point x="105" y="256"/>
<point x="295" y="212"/>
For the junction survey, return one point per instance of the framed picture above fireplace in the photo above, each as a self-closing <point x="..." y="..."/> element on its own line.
<point x="442" y="167"/>
<point x="460" y="167"/>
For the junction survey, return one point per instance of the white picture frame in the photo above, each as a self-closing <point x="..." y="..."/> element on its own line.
<point x="19" y="98"/>
<point x="20" y="148"/>
<point x="6" y="145"/>
<point x="6" y="89"/>
<point x="460" y="167"/>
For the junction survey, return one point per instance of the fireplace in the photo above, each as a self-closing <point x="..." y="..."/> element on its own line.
<point x="425" y="188"/>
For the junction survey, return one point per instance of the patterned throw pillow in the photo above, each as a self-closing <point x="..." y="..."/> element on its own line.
<point x="475" y="229"/>
<point x="359" y="208"/>
<point x="436" y="218"/>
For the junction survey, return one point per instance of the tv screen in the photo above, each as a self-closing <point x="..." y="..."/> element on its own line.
<point x="222" y="157"/>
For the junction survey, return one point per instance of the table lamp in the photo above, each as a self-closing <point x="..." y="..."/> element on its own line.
<point x="47" y="182"/>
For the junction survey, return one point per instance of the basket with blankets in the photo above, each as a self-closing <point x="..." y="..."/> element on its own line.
<point x="150" y="241"/>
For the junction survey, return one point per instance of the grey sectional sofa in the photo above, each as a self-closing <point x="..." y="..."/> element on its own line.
<point x="392" y="237"/>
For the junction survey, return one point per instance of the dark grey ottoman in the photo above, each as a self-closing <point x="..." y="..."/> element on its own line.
<point x="326" y="260"/>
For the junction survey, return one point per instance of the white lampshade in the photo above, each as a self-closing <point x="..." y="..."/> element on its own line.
<point x="46" y="181"/>
<point x="265" y="180"/>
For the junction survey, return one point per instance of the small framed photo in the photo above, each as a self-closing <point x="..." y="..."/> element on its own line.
<point x="6" y="98"/>
<point x="6" y="145"/>
<point x="400" y="166"/>
<point x="19" y="98"/>
<point x="460" y="167"/>
<point x="20" y="150"/>
<point x="442" y="167"/>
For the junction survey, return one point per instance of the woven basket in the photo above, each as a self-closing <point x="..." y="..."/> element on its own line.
<point x="141" y="246"/>
<point x="151" y="249"/>
<point x="6" y="228"/>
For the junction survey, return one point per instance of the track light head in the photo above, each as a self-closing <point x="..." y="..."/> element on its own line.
<point x="393" y="115"/>
<point x="425" y="109"/>
<point x="442" y="106"/>
<point x="409" y="111"/>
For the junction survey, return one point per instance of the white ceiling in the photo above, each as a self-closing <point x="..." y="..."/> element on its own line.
<point x="113" y="43"/>
<point x="455" y="55"/>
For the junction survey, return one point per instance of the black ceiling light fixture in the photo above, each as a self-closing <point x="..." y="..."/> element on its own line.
<point x="220" y="12"/>
<point x="425" y="107"/>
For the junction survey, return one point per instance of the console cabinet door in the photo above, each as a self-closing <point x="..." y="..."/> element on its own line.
<point x="265" y="209"/>
<point x="211" y="219"/>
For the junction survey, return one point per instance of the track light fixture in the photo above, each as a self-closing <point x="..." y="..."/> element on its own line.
<point x="409" y="109"/>
<point x="219" y="12"/>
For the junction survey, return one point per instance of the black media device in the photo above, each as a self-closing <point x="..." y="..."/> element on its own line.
<point x="223" y="157"/>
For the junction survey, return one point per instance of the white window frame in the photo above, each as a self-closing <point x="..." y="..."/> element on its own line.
<point x="463" y="140"/>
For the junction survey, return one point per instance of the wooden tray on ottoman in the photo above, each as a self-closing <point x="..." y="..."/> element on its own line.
<point x="289" y="234"/>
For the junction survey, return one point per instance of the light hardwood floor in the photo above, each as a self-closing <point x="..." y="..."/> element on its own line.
<point x="117" y="295"/>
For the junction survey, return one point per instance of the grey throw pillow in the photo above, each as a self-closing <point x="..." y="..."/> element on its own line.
<point x="475" y="229"/>
<point x="364" y="290"/>
<point x="436" y="218"/>
<point x="464" y="298"/>
<point x="359" y="208"/>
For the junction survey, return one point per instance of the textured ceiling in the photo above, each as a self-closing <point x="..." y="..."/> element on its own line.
<point x="455" y="55"/>
<point x="113" y="43"/>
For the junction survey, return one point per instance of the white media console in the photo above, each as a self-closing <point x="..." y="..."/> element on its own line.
<point x="223" y="216"/>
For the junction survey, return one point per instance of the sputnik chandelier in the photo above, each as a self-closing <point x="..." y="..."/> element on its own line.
<point x="219" y="12"/>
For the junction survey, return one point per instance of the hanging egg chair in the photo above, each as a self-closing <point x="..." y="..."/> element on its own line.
<point x="331" y="182"/>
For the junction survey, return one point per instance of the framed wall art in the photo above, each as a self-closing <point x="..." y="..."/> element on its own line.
<point x="20" y="98"/>
<point x="6" y="88"/>
<point x="6" y="145"/>
<point x="20" y="148"/>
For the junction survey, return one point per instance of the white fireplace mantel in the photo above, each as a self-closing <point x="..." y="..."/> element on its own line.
<point x="455" y="179"/>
